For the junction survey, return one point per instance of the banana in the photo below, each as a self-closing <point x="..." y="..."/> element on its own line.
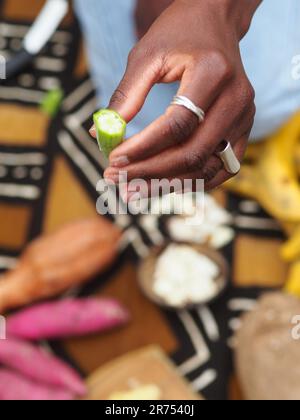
<point x="291" y="249"/>
<point x="293" y="284"/>
<point x="253" y="152"/>
<point x="272" y="177"/>
<point x="289" y="228"/>
<point x="297" y="158"/>
<point x="243" y="183"/>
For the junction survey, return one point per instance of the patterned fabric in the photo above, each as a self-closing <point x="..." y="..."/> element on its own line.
<point x="48" y="172"/>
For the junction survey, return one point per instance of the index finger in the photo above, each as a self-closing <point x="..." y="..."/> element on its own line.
<point x="176" y="125"/>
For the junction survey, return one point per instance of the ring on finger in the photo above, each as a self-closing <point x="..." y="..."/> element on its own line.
<point x="188" y="104"/>
<point x="231" y="163"/>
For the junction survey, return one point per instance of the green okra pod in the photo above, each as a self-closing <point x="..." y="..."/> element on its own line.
<point x="110" y="129"/>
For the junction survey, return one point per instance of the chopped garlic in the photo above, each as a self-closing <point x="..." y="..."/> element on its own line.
<point x="221" y="237"/>
<point x="184" y="276"/>
<point x="181" y="231"/>
<point x="206" y="226"/>
<point x="215" y="236"/>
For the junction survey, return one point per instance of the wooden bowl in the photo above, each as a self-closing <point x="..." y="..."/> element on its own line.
<point x="147" y="269"/>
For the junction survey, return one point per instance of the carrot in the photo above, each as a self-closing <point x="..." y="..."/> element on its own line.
<point x="15" y="387"/>
<point x="66" y="318"/>
<point x="39" y="365"/>
<point x="57" y="262"/>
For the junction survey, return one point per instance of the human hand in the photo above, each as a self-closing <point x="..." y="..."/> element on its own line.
<point x="196" y="43"/>
<point x="146" y="12"/>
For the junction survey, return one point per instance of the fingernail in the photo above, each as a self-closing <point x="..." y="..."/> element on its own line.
<point x="111" y="177"/>
<point x="93" y="131"/>
<point x="120" y="162"/>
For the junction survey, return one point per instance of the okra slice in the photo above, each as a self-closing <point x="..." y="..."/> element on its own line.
<point x="111" y="130"/>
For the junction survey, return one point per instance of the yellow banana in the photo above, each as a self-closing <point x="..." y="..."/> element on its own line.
<point x="291" y="249"/>
<point x="244" y="182"/>
<point x="289" y="228"/>
<point x="253" y="152"/>
<point x="297" y="157"/>
<point x="272" y="178"/>
<point x="293" y="284"/>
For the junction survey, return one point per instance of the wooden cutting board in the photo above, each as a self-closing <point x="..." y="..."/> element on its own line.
<point x="146" y="374"/>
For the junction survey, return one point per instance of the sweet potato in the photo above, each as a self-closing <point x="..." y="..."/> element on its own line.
<point x="15" y="387"/>
<point x="57" y="262"/>
<point x="66" y="318"/>
<point x="40" y="366"/>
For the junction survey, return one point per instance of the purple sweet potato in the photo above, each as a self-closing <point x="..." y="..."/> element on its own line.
<point x="39" y="365"/>
<point x="67" y="318"/>
<point x="15" y="387"/>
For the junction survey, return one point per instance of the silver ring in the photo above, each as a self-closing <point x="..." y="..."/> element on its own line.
<point x="228" y="157"/>
<point x="187" y="103"/>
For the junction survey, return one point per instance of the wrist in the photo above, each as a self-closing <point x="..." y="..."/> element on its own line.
<point x="239" y="12"/>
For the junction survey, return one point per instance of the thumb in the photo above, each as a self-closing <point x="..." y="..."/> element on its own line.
<point x="140" y="76"/>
